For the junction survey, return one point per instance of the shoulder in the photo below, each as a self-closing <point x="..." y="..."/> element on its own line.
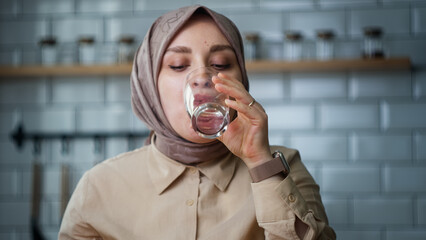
<point x="125" y="164"/>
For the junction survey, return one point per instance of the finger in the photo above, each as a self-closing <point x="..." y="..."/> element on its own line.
<point x="257" y="105"/>
<point x="235" y="93"/>
<point x="240" y="94"/>
<point x="250" y="112"/>
<point x="227" y="80"/>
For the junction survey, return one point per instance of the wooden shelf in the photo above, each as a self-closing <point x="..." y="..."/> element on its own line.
<point x="337" y="65"/>
<point x="263" y="66"/>
<point x="65" y="70"/>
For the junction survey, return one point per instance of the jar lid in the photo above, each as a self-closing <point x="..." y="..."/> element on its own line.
<point x="86" y="40"/>
<point x="325" y="34"/>
<point x="50" y="41"/>
<point x="127" y="39"/>
<point x="373" y="31"/>
<point x="254" y="37"/>
<point x="293" y="35"/>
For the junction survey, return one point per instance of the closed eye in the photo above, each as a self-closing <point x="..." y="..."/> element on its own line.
<point x="221" y="66"/>
<point x="178" y="67"/>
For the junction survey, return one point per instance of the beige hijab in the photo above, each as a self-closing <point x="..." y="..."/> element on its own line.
<point x="145" y="96"/>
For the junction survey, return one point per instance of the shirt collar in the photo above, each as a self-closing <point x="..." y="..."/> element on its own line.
<point x="163" y="171"/>
<point x="219" y="172"/>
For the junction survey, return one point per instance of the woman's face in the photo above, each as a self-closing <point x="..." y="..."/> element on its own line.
<point x="199" y="43"/>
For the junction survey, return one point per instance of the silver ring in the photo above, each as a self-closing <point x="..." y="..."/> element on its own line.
<point x="252" y="102"/>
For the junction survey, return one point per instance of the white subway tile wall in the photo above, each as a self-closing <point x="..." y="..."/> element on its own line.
<point x="419" y="88"/>
<point x="8" y="7"/>
<point x="419" y="18"/>
<point x="318" y="85"/>
<point x="286" y="5"/>
<point x="310" y="22"/>
<point x="380" y="84"/>
<point x="408" y="234"/>
<point x="47" y="6"/>
<point x="125" y="26"/>
<point x="347" y="3"/>
<point x="382" y="147"/>
<point x="9" y="182"/>
<point x="420" y="139"/>
<point x="362" y="135"/>
<point x="381" y="210"/>
<point x="225" y="4"/>
<point x="22" y="31"/>
<point x="341" y="116"/>
<point x="359" y="234"/>
<point x="414" y="48"/>
<point x="415" y="179"/>
<point x="148" y="5"/>
<point x="421" y="209"/>
<point x="52" y="119"/>
<point x="117" y="89"/>
<point x="30" y="91"/>
<point x="268" y="25"/>
<point x="104" y="6"/>
<point x="104" y="119"/>
<point x="337" y="210"/>
<point x="269" y="87"/>
<point x="322" y="147"/>
<point x="288" y="117"/>
<point x="89" y="90"/>
<point x="72" y="28"/>
<point x="393" y="21"/>
<point x="405" y="115"/>
<point x="365" y="179"/>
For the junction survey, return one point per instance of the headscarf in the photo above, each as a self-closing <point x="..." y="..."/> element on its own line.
<point x="146" y="102"/>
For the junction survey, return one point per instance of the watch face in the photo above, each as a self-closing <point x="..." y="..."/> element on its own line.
<point x="285" y="164"/>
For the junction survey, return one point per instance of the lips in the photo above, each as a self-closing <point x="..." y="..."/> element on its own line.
<point x="201" y="99"/>
<point x="209" y="122"/>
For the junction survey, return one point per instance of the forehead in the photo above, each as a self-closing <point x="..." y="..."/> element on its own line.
<point x="198" y="28"/>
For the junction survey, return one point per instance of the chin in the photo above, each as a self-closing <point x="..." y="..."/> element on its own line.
<point x="195" y="138"/>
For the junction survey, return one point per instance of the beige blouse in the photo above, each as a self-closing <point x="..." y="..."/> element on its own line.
<point x="145" y="195"/>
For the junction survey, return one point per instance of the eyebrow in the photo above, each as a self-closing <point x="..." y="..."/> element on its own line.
<point x="214" y="48"/>
<point x="179" y="49"/>
<point x="217" y="48"/>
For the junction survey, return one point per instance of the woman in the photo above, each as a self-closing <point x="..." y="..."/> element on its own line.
<point x="183" y="186"/>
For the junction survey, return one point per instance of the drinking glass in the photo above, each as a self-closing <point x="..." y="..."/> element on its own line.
<point x="206" y="106"/>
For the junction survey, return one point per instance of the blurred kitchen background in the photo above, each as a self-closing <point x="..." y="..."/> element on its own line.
<point x="362" y="134"/>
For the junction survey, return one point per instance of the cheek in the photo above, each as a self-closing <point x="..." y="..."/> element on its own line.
<point x="171" y="96"/>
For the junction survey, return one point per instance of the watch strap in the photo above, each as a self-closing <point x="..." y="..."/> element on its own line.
<point x="270" y="168"/>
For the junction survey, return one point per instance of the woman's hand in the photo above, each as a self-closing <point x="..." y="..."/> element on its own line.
<point x="247" y="135"/>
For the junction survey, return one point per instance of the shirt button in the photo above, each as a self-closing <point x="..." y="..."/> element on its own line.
<point x="192" y="170"/>
<point x="291" y="198"/>
<point x="189" y="202"/>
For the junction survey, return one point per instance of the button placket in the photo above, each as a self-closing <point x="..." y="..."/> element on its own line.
<point x="193" y="174"/>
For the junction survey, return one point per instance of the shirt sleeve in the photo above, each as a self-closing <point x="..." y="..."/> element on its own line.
<point x="279" y="202"/>
<point x="73" y="224"/>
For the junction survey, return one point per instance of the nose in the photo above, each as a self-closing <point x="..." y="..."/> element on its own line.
<point x="202" y="81"/>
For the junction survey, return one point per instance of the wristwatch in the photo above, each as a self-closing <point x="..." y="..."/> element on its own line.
<point x="270" y="168"/>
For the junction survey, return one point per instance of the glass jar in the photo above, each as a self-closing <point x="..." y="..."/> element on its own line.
<point x="67" y="54"/>
<point x="48" y="51"/>
<point x="125" y="50"/>
<point x="373" y="44"/>
<point x="325" y="45"/>
<point x="251" y="46"/>
<point x="293" y="46"/>
<point x="86" y="50"/>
